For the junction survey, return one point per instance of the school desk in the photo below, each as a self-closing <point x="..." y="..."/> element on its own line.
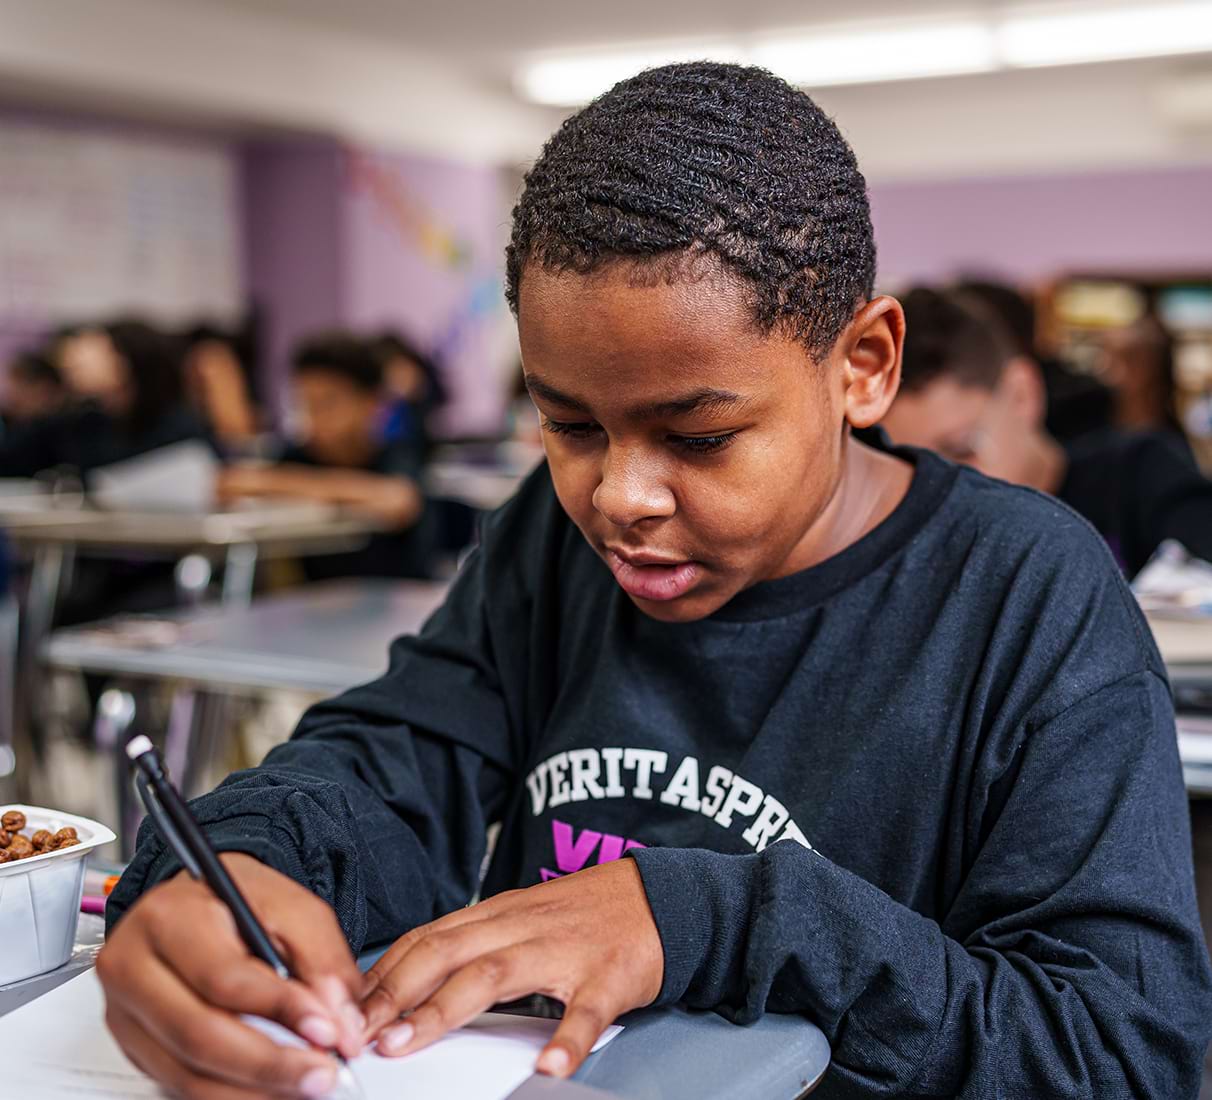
<point x="660" y="1055"/>
<point x="1186" y="648"/>
<point x="48" y="531"/>
<point x="319" y="639"/>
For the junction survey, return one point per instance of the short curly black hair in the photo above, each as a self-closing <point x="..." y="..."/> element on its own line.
<point x="341" y="353"/>
<point x="712" y="159"/>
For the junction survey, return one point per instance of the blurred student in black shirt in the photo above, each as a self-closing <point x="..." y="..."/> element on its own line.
<point x="341" y="459"/>
<point x="966" y="394"/>
<point x="33" y="389"/>
<point x="124" y="381"/>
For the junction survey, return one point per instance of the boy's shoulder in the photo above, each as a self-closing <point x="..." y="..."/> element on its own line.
<point x="1051" y="574"/>
<point x="1016" y="517"/>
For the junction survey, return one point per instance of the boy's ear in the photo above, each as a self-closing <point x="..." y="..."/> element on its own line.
<point x="871" y="370"/>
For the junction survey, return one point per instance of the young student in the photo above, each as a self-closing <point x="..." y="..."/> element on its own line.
<point x="1077" y="403"/>
<point x="33" y="390"/>
<point x="341" y="460"/>
<point x="885" y="743"/>
<point x="218" y="385"/>
<point x="966" y="394"/>
<point x="124" y="380"/>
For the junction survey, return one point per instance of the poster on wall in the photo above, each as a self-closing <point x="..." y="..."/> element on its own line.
<point x="93" y="225"/>
<point x="425" y="246"/>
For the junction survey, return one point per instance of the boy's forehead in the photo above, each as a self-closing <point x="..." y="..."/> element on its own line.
<point x="664" y="338"/>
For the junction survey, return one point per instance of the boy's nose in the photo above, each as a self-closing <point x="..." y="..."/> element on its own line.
<point x="632" y="488"/>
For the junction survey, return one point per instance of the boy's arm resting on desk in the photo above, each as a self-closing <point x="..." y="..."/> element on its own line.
<point x="1070" y="964"/>
<point x="393" y="499"/>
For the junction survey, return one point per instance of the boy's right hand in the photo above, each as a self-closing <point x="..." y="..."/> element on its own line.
<point x="177" y="977"/>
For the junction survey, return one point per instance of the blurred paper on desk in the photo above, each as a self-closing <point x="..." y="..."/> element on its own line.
<point x="180" y="478"/>
<point x="1175" y="583"/>
<point x="1195" y="738"/>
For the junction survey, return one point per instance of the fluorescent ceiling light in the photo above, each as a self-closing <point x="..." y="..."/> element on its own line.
<point x="1075" y="35"/>
<point x="886" y="53"/>
<point x="1020" y="37"/>
<point x="568" y="80"/>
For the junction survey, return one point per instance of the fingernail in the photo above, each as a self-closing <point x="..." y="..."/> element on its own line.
<point x="319" y="1081"/>
<point x="317" y="1030"/>
<point x="395" y="1039"/>
<point x="554" y="1061"/>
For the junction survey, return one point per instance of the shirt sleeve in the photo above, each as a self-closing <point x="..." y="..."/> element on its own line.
<point x="380" y="800"/>
<point x="1069" y="964"/>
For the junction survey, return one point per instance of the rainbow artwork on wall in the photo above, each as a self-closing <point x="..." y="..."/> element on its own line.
<point x="416" y="225"/>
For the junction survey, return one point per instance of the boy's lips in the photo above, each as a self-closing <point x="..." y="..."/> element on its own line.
<point x="647" y="576"/>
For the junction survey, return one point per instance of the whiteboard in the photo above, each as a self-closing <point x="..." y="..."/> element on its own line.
<point x="95" y="224"/>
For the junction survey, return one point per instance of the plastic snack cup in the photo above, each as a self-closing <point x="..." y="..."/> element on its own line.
<point x="40" y="896"/>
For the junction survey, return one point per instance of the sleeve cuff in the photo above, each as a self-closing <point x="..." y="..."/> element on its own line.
<point x="701" y="902"/>
<point x="155" y="863"/>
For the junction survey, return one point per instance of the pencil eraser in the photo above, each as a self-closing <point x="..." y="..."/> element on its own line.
<point x="137" y="746"/>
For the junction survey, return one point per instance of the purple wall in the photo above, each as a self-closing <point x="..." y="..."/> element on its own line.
<point x="1032" y="227"/>
<point x="369" y="241"/>
<point x="424" y="253"/>
<point x="293" y="248"/>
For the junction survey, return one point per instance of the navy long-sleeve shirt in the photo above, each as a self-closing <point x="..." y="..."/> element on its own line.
<point x="926" y="793"/>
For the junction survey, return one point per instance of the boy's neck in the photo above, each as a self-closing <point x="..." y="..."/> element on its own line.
<point x="871" y="485"/>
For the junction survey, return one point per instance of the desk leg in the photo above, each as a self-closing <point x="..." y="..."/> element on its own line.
<point x="178" y="741"/>
<point x="239" y="573"/>
<point x="214" y="717"/>
<point x="46" y="576"/>
<point x="116" y="711"/>
<point x="197" y="728"/>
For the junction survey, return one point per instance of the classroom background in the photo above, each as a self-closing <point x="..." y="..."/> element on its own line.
<point x="251" y="275"/>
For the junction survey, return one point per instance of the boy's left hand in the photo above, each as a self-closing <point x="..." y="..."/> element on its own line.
<point x="588" y="940"/>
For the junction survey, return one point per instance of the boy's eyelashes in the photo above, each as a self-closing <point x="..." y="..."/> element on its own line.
<point x="587" y="429"/>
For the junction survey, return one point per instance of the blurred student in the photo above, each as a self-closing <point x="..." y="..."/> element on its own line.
<point x="414" y="391"/>
<point x="218" y="388"/>
<point x="966" y="394"/>
<point x="1137" y="362"/>
<point x="33" y="390"/>
<point x="124" y="382"/>
<point x="1077" y="403"/>
<point x="342" y="460"/>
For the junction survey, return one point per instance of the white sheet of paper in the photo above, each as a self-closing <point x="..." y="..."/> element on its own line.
<point x="179" y="478"/>
<point x="1195" y="739"/>
<point x="57" y="1048"/>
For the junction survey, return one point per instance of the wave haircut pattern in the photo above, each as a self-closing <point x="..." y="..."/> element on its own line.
<point x="708" y="160"/>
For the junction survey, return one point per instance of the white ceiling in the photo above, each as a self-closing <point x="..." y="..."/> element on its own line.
<point x="434" y="77"/>
<point x="497" y="33"/>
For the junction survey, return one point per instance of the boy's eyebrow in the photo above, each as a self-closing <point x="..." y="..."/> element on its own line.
<point x="705" y="399"/>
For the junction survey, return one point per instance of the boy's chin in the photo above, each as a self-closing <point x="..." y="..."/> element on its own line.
<point x="698" y="603"/>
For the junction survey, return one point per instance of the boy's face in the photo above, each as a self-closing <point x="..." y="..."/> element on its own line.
<point x="694" y="453"/>
<point x="339" y="416"/>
